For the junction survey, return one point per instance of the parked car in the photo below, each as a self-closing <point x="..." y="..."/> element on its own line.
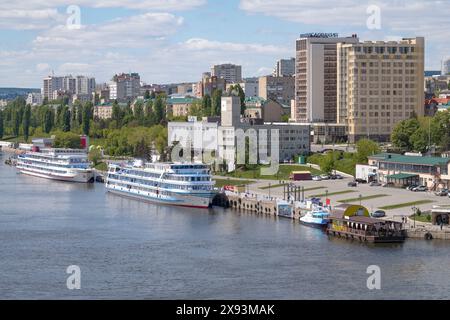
<point x="361" y="180"/>
<point x="338" y="176"/>
<point x="442" y="193"/>
<point x="325" y="177"/>
<point x="352" y="184"/>
<point x="411" y="186"/>
<point x="375" y="184"/>
<point x="388" y="184"/>
<point x="316" y="178"/>
<point x="420" y="189"/>
<point x="378" y="214"/>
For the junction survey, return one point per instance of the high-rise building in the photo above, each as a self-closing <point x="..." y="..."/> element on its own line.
<point x="315" y="77"/>
<point x="379" y="84"/>
<point x="84" y="85"/>
<point x="446" y="67"/>
<point x="230" y="72"/>
<point x="80" y="85"/>
<point x="210" y="83"/>
<point x="284" y="68"/>
<point x="280" y="89"/>
<point x="125" y="87"/>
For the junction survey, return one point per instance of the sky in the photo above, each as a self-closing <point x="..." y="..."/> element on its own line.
<point x="168" y="41"/>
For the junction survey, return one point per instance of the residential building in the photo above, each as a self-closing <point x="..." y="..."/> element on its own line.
<point x="284" y="68"/>
<point x="179" y="106"/>
<point x="250" y="86"/>
<point x="185" y="89"/>
<point x="125" y="87"/>
<point x="436" y="84"/>
<point x="401" y="170"/>
<point x="280" y="89"/>
<point x="34" y="99"/>
<point x="84" y="85"/>
<point x="267" y="110"/>
<point x="231" y="73"/>
<point x="379" y="84"/>
<point x="316" y="77"/>
<point x="68" y="84"/>
<point x="103" y="111"/>
<point x="210" y="83"/>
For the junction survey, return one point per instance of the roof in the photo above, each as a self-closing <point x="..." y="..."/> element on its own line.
<point x="402" y="176"/>
<point x="398" y="158"/>
<point x="180" y="100"/>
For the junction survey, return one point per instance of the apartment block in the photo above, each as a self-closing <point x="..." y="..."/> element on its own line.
<point x="125" y="87"/>
<point x="379" y="84"/>
<point x="280" y="89"/>
<point x="284" y="68"/>
<point x="315" y="77"/>
<point x="231" y="73"/>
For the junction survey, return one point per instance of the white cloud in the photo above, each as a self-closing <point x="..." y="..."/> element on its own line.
<point x="204" y="44"/>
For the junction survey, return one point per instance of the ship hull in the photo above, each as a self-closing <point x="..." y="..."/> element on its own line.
<point x="77" y="177"/>
<point x="189" y="201"/>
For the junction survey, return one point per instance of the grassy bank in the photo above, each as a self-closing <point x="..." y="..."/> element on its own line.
<point x="363" y="198"/>
<point x="406" y="204"/>
<point x="283" y="173"/>
<point x="230" y="182"/>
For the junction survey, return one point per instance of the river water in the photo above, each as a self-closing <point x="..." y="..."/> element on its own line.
<point x="128" y="249"/>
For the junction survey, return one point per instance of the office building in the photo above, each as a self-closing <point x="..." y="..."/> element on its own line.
<point x="315" y="77"/>
<point x="379" y="84"/>
<point x="125" y="87"/>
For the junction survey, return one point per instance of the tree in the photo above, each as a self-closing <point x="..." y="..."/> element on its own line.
<point x="116" y="114"/>
<point x="16" y="122"/>
<point x="65" y="119"/>
<point x="216" y="102"/>
<point x="419" y="140"/>
<point x="206" y="105"/>
<point x="95" y="156"/>
<point x="67" y="140"/>
<point x="1" y="124"/>
<point x="139" y="112"/>
<point x="147" y="95"/>
<point x="402" y="132"/>
<point x="365" y="148"/>
<point x="328" y="163"/>
<point x="26" y="122"/>
<point x="159" y="109"/>
<point x="236" y="90"/>
<point x="48" y="120"/>
<point x="86" y="118"/>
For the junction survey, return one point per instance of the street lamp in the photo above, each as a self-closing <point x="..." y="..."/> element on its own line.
<point x="360" y="196"/>
<point x="269" y="189"/>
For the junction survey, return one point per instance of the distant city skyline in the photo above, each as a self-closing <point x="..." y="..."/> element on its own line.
<point x="175" y="41"/>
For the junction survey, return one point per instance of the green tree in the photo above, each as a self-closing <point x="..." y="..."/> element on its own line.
<point x="327" y="163"/>
<point x="48" y="120"/>
<point x="67" y="140"/>
<point x="419" y="140"/>
<point x="236" y="90"/>
<point x="16" y="119"/>
<point x="26" y="122"/>
<point x="206" y="105"/>
<point x="86" y="118"/>
<point x="402" y="132"/>
<point x="216" y="102"/>
<point x="117" y="114"/>
<point x="95" y="156"/>
<point x="147" y="95"/>
<point x="365" y="148"/>
<point x="159" y="109"/>
<point x="65" y="125"/>
<point x="139" y="112"/>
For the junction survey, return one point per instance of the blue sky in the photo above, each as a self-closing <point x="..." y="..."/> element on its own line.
<point x="176" y="40"/>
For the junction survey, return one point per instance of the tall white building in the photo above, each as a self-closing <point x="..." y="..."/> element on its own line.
<point x="315" y="77"/>
<point x="230" y="72"/>
<point x="80" y="85"/>
<point x="34" y="98"/>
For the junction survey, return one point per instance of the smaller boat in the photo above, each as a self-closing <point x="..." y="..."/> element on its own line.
<point x="318" y="218"/>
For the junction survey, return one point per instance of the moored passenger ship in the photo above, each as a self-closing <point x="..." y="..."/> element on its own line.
<point x="57" y="164"/>
<point x="180" y="184"/>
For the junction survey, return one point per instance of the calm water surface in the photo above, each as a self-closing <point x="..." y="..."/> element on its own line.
<point x="127" y="249"/>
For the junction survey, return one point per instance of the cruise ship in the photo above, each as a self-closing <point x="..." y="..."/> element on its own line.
<point x="180" y="184"/>
<point x="57" y="164"/>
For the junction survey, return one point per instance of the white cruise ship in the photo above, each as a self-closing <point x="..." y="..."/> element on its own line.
<point x="180" y="184"/>
<point x="57" y="164"/>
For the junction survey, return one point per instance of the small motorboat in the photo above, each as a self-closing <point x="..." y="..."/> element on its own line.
<point x="317" y="218"/>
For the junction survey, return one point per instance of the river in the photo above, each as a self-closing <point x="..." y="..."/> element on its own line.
<point x="128" y="249"/>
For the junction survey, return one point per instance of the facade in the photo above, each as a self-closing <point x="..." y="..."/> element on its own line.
<point x="250" y="87"/>
<point x="231" y="73"/>
<point x="432" y="172"/>
<point x="280" y="89"/>
<point x="103" y="111"/>
<point x="68" y="84"/>
<point x="379" y="84"/>
<point x="179" y="106"/>
<point x="221" y="139"/>
<point x="267" y="110"/>
<point x="210" y="83"/>
<point x="284" y="68"/>
<point x="316" y="77"/>
<point x="34" y="99"/>
<point x="324" y="132"/>
<point x="125" y="87"/>
<point x="436" y="84"/>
